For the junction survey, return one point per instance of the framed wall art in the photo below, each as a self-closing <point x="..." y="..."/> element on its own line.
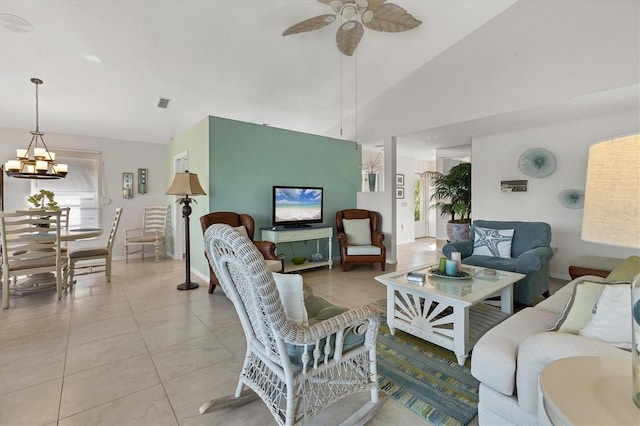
<point x="400" y="179"/>
<point x="399" y="192"/>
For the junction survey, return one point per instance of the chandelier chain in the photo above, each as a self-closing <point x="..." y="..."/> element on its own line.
<point x="37" y="114"/>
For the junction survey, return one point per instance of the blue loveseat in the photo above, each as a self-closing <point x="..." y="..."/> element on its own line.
<point x="530" y="255"/>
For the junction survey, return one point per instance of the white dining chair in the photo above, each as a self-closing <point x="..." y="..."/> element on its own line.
<point x="30" y="245"/>
<point x="152" y="232"/>
<point x="91" y="260"/>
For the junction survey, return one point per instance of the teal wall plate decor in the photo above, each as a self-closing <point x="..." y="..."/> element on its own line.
<point x="571" y="198"/>
<point x="537" y="162"/>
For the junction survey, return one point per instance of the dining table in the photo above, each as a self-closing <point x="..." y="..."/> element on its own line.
<point x="46" y="281"/>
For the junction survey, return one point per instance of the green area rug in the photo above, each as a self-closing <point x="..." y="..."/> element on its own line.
<point x="425" y="378"/>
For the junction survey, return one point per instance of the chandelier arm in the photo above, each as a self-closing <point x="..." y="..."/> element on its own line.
<point x="34" y="137"/>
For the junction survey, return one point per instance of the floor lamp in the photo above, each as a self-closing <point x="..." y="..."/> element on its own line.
<point x="185" y="185"/>
<point x="612" y="216"/>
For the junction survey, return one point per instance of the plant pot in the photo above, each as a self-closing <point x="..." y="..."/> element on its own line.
<point x="458" y="230"/>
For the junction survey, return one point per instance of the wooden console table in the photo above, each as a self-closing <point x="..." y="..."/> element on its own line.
<point x="288" y="235"/>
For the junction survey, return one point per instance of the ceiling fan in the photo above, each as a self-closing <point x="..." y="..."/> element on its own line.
<point x="374" y="14"/>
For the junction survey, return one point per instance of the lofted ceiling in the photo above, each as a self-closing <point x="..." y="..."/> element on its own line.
<point x="105" y="65"/>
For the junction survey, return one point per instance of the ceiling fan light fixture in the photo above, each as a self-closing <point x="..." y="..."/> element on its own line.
<point x="376" y="15"/>
<point x="336" y="5"/>
<point x="367" y="16"/>
<point x="348" y="12"/>
<point x="348" y="26"/>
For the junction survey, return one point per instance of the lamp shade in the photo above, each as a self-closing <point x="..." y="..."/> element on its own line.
<point x="185" y="184"/>
<point x="612" y="195"/>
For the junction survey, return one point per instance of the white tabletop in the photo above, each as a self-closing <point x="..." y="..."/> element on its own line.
<point x="79" y="234"/>
<point x="589" y="390"/>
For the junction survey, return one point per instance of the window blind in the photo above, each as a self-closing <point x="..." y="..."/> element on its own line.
<point x="79" y="190"/>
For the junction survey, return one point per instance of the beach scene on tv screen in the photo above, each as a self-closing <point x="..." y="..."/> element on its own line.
<point x="294" y="204"/>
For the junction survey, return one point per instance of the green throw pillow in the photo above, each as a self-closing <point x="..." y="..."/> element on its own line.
<point x="579" y="309"/>
<point x="625" y="271"/>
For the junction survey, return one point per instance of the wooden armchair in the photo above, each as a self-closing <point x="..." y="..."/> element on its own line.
<point x="236" y="220"/>
<point x="360" y="238"/>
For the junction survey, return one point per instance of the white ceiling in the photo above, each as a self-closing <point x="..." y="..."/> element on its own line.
<point x="105" y="64"/>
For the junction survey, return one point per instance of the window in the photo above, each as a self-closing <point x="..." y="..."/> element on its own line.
<point x="79" y="190"/>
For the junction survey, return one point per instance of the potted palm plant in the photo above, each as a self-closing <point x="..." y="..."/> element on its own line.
<point x="452" y="196"/>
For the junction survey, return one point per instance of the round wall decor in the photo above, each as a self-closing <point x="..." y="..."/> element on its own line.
<point x="571" y="198"/>
<point x="537" y="162"/>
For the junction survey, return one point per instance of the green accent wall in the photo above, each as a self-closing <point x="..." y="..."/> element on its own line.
<point x="246" y="160"/>
<point x="195" y="142"/>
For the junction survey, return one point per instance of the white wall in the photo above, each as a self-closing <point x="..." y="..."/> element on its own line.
<point x="580" y="48"/>
<point x="118" y="156"/>
<point x="495" y="158"/>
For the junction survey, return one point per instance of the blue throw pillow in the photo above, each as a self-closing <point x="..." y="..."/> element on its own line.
<point x="492" y="242"/>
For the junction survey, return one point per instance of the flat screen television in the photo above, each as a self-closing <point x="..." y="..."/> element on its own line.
<point x="297" y="206"/>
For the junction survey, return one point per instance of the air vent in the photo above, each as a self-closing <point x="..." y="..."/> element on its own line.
<point x="164" y="103"/>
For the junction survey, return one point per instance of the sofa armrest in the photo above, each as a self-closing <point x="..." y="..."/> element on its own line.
<point x="494" y="359"/>
<point x="465" y="247"/>
<point x="540" y="349"/>
<point x="532" y="260"/>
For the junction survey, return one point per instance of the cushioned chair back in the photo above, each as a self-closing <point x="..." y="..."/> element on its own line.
<point x="232" y="219"/>
<point x="249" y="284"/>
<point x="374" y="219"/>
<point x="526" y="235"/>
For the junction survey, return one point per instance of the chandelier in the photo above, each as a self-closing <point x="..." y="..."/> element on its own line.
<point x="35" y="162"/>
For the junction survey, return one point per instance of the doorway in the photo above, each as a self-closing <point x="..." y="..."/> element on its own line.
<point x="420" y="203"/>
<point x="180" y="165"/>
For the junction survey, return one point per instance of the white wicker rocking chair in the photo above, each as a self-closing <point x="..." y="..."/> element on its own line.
<point x="293" y="388"/>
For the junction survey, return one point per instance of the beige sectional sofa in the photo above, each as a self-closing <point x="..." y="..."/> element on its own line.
<point x="508" y="360"/>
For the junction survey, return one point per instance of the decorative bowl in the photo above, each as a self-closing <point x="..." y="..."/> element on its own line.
<point x="298" y="260"/>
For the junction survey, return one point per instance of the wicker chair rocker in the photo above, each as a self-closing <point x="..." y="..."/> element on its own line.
<point x="297" y="370"/>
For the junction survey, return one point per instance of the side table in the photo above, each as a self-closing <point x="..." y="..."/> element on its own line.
<point x="589" y="390"/>
<point x="592" y="265"/>
<point x="287" y="235"/>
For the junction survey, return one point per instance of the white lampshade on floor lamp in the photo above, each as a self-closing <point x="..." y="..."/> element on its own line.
<point x="185" y="185"/>
<point x="612" y="215"/>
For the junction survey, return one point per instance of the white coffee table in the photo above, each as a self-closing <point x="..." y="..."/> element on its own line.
<point x="448" y="312"/>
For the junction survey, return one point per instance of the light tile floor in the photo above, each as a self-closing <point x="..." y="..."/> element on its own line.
<point x="138" y="351"/>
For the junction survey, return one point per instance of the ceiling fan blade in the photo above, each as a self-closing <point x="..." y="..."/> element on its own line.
<point x="348" y="36"/>
<point x="390" y="18"/>
<point x="310" y="24"/>
<point x="375" y="4"/>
